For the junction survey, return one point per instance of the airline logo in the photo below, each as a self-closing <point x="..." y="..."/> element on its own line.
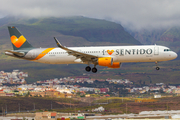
<point x="122" y="52"/>
<point x="18" y="42"/>
<point x="110" y="52"/>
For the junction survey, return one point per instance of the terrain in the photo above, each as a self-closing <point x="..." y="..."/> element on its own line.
<point x="25" y="104"/>
<point x="115" y="104"/>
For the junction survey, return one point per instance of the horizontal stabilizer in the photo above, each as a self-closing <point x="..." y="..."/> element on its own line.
<point x="16" y="53"/>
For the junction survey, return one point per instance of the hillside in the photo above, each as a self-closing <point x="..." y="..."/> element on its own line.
<point x="166" y="36"/>
<point x="79" y="31"/>
<point x="71" y="31"/>
<point x="169" y="37"/>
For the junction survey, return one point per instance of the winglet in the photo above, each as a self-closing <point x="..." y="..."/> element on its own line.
<point x="58" y="43"/>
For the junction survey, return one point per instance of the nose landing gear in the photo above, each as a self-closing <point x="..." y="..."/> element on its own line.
<point x="157" y="68"/>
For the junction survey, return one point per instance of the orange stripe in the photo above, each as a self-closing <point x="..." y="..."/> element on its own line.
<point x="43" y="53"/>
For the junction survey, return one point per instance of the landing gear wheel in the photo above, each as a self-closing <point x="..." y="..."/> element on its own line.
<point x="94" y="70"/>
<point x="88" y="69"/>
<point x="157" y="68"/>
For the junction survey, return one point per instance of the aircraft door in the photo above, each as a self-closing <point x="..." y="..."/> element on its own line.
<point x="156" y="50"/>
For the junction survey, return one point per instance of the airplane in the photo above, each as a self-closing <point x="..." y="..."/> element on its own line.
<point x="107" y="56"/>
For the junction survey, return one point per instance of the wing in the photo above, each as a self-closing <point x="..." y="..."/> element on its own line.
<point x="79" y="55"/>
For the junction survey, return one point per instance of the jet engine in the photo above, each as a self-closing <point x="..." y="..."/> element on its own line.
<point x="108" y="62"/>
<point x="115" y="65"/>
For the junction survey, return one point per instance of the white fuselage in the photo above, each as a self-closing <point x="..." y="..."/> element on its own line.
<point x="121" y="54"/>
<point x="107" y="56"/>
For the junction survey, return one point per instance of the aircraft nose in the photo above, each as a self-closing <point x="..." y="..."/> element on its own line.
<point x="174" y="55"/>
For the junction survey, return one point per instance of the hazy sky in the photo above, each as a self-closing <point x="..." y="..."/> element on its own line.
<point x="135" y="14"/>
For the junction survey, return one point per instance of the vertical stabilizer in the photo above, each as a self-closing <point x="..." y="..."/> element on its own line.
<point x="17" y="39"/>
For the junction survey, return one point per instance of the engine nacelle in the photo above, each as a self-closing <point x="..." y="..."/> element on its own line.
<point x="108" y="62"/>
<point x="115" y="65"/>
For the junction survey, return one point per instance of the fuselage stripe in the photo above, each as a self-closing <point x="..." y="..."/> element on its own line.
<point x="43" y="53"/>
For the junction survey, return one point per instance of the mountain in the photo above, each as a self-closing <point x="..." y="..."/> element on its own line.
<point x="81" y="31"/>
<point x="169" y="36"/>
<point x="70" y="31"/>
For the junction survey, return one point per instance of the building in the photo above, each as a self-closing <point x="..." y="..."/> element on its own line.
<point x="145" y="100"/>
<point x="55" y="94"/>
<point x="46" y="116"/>
<point x="157" y="96"/>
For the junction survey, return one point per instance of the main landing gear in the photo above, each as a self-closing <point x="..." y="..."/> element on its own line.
<point x="94" y="70"/>
<point x="88" y="69"/>
<point x="157" y="68"/>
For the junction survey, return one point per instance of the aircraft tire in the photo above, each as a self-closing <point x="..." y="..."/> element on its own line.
<point x="88" y="69"/>
<point x="94" y="70"/>
<point x="157" y="68"/>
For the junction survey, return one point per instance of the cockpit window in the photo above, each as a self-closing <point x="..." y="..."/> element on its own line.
<point x="166" y="50"/>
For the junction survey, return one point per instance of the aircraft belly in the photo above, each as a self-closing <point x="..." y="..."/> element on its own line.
<point x="57" y="59"/>
<point x="136" y="58"/>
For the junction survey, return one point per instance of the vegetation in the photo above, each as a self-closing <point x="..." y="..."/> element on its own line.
<point x="112" y="105"/>
<point x="29" y="103"/>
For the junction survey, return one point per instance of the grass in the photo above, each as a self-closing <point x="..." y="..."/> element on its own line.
<point x="27" y="103"/>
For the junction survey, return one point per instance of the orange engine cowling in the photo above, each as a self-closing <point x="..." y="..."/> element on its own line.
<point x="108" y="62"/>
<point x="115" y="65"/>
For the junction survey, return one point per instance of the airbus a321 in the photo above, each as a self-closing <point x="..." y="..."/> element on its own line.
<point x="107" y="56"/>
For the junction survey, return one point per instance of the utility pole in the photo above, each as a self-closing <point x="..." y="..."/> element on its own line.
<point x="122" y="98"/>
<point x="19" y="107"/>
<point x="89" y="102"/>
<point x="2" y="111"/>
<point x="6" y="108"/>
<point x="51" y="105"/>
<point x="70" y="103"/>
<point x="126" y="108"/>
<point x="34" y="107"/>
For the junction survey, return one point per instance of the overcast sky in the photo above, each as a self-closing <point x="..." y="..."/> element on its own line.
<point x="134" y="14"/>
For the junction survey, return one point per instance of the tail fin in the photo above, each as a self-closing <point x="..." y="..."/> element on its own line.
<point x="17" y="39"/>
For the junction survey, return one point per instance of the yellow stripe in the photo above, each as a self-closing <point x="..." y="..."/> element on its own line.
<point x="43" y="53"/>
